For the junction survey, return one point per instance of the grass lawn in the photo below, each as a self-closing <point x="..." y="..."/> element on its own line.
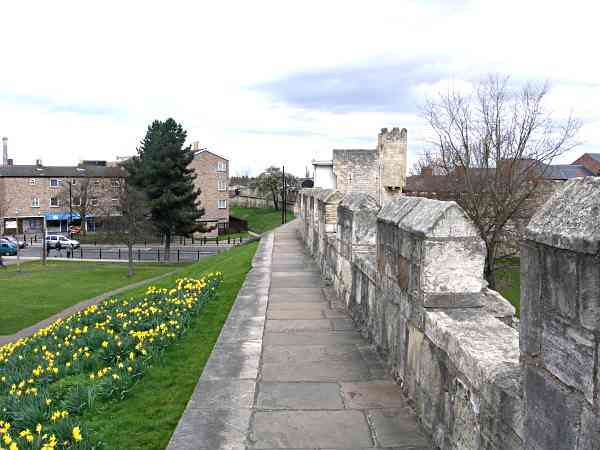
<point x="148" y="416"/>
<point x="508" y="283"/>
<point x="260" y="219"/>
<point x="37" y="292"/>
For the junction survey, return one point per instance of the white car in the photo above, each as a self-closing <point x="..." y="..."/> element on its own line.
<point x="65" y="242"/>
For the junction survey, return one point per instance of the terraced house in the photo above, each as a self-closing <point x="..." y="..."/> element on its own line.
<point x="32" y="194"/>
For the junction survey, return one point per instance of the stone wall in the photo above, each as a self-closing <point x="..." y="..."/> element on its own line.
<point x="560" y="328"/>
<point x="411" y="275"/>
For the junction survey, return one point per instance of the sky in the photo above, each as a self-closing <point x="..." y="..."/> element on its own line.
<point x="274" y="82"/>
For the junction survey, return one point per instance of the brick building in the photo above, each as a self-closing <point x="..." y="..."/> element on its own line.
<point x="212" y="178"/>
<point x="379" y="172"/>
<point x="30" y="194"/>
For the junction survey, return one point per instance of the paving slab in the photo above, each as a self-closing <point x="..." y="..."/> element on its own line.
<point x="313" y="338"/>
<point x="213" y="394"/>
<point x="397" y="427"/>
<point x="308" y="395"/>
<point x="237" y="360"/>
<point x="292" y="325"/>
<point x="309" y="429"/>
<point x="373" y="394"/>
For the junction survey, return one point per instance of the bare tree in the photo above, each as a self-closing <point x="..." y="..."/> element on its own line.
<point x="86" y="196"/>
<point x="270" y="183"/>
<point x="495" y="145"/>
<point x="129" y="221"/>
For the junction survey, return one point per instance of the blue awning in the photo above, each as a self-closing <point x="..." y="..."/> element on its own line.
<point x="60" y="216"/>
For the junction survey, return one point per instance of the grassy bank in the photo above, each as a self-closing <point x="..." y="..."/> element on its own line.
<point x="508" y="281"/>
<point x="260" y="219"/>
<point x="148" y="416"/>
<point x="37" y="292"/>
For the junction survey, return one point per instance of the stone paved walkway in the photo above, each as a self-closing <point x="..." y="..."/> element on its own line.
<point x="289" y="372"/>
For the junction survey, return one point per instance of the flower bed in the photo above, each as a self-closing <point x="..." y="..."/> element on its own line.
<point x="47" y="380"/>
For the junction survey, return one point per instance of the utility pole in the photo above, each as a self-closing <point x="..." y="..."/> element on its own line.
<point x="283" y="196"/>
<point x="44" y="241"/>
<point x="70" y="208"/>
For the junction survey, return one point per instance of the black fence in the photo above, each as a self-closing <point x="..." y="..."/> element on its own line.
<point x="178" y="240"/>
<point x="139" y="254"/>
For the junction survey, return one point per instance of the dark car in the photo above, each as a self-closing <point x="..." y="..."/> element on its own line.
<point x="14" y="240"/>
<point x="7" y="248"/>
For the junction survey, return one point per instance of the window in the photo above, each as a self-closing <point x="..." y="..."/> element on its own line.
<point x="222" y="185"/>
<point x="54" y="202"/>
<point x="93" y="201"/>
<point x="114" y="183"/>
<point x="32" y="181"/>
<point x="114" y="200"/>
<point x="55" y="183"/>
<point x="222" y="204"/>
<point x="73" y="182"/>
<point x="221" y="166"/>
<point x="76" y="201"/>
<point x="97" y="181"/>
<point x="35" y="202"/>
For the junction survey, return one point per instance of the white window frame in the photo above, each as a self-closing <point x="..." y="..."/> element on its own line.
<point x="35" y="202"/>
<point x="221" y="185"/>
<point x="76" y="203"/>
<point x="222" y="202"/>
<point x="221" y="166"/>
<point x="115" y="200"/>
<point x="32" y="181"/>
<point x="58" y="182"/>
<point x="57" y="202"/>
<point x="93" y="201"/>
<point x="97" y="181"/>
<point x="115" y="183"/>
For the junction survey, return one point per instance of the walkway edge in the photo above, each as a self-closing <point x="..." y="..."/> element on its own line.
<point x="29" y="331"/>
<point x="219" y="411"/>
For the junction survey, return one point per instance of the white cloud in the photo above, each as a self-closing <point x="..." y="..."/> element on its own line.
<point x="81" y="80"/>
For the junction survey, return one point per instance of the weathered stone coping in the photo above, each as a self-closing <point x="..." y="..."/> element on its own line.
<point x="219" y="411"/>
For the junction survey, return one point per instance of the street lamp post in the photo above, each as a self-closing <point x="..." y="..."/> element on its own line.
<point x="70" y="221"/>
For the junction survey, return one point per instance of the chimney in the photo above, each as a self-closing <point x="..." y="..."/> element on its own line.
<point x="196" y="146"/>
<point x="427" y="171"/>
<point x="5" y="151"/>
<point x="38" y="162"/>
<point x="9" y="162"/>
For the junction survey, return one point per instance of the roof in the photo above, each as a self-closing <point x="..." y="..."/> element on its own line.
<point x="567" y="171"/>
<point x="570" y="219"/>
<point x="595" y="156"/>
<point x="199" y="152"/>
<point x="34" y="171"/>
<point x="323" y="163"/>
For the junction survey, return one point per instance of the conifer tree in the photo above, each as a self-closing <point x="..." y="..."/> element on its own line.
<point x="160" y="170"/>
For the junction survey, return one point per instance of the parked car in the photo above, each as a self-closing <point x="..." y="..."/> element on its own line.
<point x="14" y="240"/>
<point x="65" y="242"/>
<point x="7" y="248"/>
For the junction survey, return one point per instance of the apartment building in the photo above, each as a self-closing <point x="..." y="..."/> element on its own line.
<point x="32" y="194"/>
<point x="212" y="178"/>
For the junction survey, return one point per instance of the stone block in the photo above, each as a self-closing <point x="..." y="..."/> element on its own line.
<point x="570" y="218"/>
<point x="589" y="292"/>
<point x="589" y="435"/>
<point x="453" y="267"/>
<point x="559" y="282"/>
<point x="465" y="431"/>
<point x="568" y="354"/>
<point x="532" y="307"/>
<point x="552" y="412"/>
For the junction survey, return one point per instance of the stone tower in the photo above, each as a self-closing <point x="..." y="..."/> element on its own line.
<point x="391" y="154"/>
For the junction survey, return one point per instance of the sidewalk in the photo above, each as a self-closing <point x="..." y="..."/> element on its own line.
<point x="289" y="372"/>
